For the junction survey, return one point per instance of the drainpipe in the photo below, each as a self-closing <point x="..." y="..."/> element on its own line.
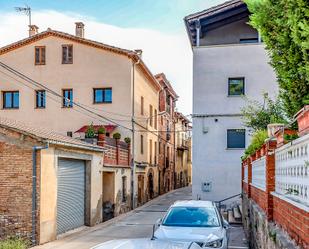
<point x="198" y="30"/>
<point x="34" y="190"/>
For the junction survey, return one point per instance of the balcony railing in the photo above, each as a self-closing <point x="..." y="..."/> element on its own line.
<point x="259" y="173"/>
<point x="292" y="170"/>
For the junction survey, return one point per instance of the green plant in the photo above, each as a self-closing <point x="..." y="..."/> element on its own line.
<point x="286" y="35"/>
<point x="257" y="115"/>
<point x="291" y="191"/>
<point x="101" y="130"/>
<point x="90" y="133"/>
<point x="117" y="136"/>
<point x="258" y="139"/>
<point x="14" y="243"/>
<point x="127" y="140"/>
<point x="273" y="236"/>
<point x="289" y="137"/>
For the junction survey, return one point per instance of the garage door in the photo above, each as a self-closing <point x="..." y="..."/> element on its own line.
<point x="71" y="195"/>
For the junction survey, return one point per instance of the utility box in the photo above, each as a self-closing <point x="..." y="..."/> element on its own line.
<point x="206" y="186"/>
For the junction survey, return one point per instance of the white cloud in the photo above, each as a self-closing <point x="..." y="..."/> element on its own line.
<point x="168" y="53"/>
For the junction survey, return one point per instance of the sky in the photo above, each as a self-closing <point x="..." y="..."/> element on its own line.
<point x="155" y="26"/>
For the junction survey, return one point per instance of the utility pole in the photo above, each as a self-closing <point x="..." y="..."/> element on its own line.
<point x="26" y="10"/>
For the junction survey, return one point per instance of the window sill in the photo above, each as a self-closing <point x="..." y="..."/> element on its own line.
<point x="237" y="96"/>
<point x="67" y="107"/>
<point x="40" y="108"/>
<point x="235" y="148"/>
<point x="10" y="108"/>
<point x="39" y="64"/>
<point x="65" y="63"/>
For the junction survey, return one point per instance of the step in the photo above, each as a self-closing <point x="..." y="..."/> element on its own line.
<point x="231" y="218"/>
<point x="236" y="213"/>
<point x="240" y="208"/>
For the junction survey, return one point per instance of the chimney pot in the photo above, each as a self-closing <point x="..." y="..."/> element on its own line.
<point x="33" y="30"/>
<point x="80" y="29"/>
<point x="139" y="52"/>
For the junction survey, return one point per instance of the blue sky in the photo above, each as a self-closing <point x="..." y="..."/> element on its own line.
<point x="163" y="15"/>
<point x="155" y="26"/>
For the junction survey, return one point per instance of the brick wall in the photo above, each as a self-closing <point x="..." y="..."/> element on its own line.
<point x="293" y="220"/>
<point x="117" y="153"/>
<point x="16" y="186"/>
<point x="260" y="197"/>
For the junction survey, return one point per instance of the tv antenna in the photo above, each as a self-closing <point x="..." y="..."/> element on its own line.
<point x="25" y="10"/>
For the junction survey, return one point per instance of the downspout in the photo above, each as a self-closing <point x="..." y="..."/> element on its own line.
<point x="34" y="190"/>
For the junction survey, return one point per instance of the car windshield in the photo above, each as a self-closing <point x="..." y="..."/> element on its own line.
<point x="191" y="217"/>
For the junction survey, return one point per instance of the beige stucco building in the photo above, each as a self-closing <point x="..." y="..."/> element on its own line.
<point x="62" y="82"/>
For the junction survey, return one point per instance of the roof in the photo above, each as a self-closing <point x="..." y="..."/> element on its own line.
<point x="46" y="136"/>
<point x="193" y="203"/>
<point x="49" y="32"/>
<point x="183" y="117"/>
<point x="234" y="9"/>
<point x="108" y="128"/>
<point x="164" y="81"/>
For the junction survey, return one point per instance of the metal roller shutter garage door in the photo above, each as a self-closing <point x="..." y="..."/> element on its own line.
<point x="70" y="195"/>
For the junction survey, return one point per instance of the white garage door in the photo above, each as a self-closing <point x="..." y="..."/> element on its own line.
<point x="70" y="195"/>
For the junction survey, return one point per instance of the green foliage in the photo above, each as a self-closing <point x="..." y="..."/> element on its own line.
<point x="258" y="115"/>
<point x="288" y="137"/>
<point x="284" y="27"/>
<point x="258" y="139"/>
<point x="117" y="136"/>
<point x="14" y="243"/>
<point x="127" y="140"/>
<point x="90" y="133"/>
<point x="101" y="130"/>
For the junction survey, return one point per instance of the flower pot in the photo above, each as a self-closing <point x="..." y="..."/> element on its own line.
<point x="280" y="136"/>
<point x="303" y="121"/>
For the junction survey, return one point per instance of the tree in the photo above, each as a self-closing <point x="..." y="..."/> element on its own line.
<point x="284" y="27"/>
<point x="257" y="115"/>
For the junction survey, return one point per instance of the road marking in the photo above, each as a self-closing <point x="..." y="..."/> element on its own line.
<point x="238" y="247"/>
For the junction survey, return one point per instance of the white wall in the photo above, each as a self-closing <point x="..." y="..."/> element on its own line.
<point x="213" y="65"/>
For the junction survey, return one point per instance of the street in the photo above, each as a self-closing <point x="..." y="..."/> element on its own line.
<point x="135" y="224"/>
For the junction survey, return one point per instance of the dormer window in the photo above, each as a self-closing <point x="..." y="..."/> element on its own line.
<point x="40" y="53"/>
<point x="67" y="54"/>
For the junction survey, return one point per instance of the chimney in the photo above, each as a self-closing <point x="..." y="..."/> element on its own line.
<point x="33" y="30"/>
<point x="139" y="52"/>
<point x="79" y="29"/>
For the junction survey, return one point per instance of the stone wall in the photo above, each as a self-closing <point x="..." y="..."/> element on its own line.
<point x="261" y="233"/>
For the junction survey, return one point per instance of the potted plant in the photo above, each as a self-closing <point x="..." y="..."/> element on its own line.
<point x="127" y="140"/>
<point x="303" y="120"/>
<point x="101" y="133"/>
<point x="90" y="134"/>
<point x="117" y="136"/>
<point x="285" y="135"/>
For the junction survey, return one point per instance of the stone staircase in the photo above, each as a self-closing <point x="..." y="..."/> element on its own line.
<point x="232" y="213"/>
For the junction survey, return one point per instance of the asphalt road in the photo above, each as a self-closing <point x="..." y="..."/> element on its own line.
<point x="135" y="224"/>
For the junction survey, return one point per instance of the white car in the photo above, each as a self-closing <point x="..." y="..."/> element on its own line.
<point x="145" y="244"/>
<point x="198" y="221"/>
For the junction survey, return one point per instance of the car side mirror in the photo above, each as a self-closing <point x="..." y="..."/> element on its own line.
<point x="226" y="225"/>
<point x="159" y="222"/>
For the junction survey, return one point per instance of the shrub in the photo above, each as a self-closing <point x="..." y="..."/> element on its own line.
<point x="257" y="141"/>
<point x="101" y="130"/>
<point x="14" y="243"/>
<point x="90" y="133"/>
<point x="117" y="136"/>
<point x="127" y="140"/>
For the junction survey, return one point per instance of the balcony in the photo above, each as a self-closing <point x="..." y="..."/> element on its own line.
<point x="182" y="144"/>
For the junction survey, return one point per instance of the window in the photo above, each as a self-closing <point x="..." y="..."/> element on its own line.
<point x="236" y="86"/>
<point x="67" y="54"/>
<point x="142" y="144"/>
<point x="67" y="98"/>
<point x="102" y="95"/>
<point x="155" y="152"/>
<point x="236" y="138"/>
<point x="150" y="115"/>
<point x="11" y="100"/>
<point x="40" y="55"/>
<point x="142" y="105"/>
<point x="160" y="144"/>
<point x="150" y="151"/>
<point x="124" y="189"/>
<point x="69" y="133"/>
<point x="40" y="97"/>
<point x="155" y="119"/>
